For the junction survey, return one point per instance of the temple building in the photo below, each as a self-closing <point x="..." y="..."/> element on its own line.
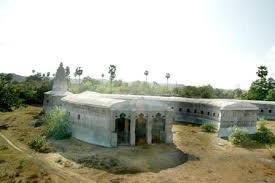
<point x="111" y="119"/>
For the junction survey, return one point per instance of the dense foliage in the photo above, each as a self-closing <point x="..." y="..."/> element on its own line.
<point x="9" y="94"/>
<point x="58" y="125"/>
<point x="33" y="88"/>
<point x="263" y="88"/>
<point x="28" y="91"/>
<point x="145" y="88"/>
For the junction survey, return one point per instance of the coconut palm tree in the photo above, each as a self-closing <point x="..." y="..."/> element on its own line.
<point x="167" y="75"/>
<point x="146" y="74"/>
<point x="78" y="72"/>
<point x="102" y="76"/>
<point x="112" y="72"/>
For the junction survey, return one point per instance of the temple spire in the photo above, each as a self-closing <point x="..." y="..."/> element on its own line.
<point x="60" y="80"/>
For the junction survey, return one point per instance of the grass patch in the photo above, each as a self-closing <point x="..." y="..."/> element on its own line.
<point x="208" y="127"/>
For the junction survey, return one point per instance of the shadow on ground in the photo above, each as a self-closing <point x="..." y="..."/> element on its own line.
<point x="123" y="159"/>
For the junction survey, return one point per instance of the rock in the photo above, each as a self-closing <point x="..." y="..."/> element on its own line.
<point x="220" y="144"/>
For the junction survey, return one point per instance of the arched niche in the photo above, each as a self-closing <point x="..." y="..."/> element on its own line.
<point x="122" y="128"/>
<point x="140" y="129"/>
<point x="158" y="129"/>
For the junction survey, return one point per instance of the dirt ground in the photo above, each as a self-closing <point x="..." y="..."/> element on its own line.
<point x="195" y="156"/>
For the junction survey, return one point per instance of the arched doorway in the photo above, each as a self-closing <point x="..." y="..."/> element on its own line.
<point x="140" y="131"/>
<point x="158" y="129"/>
<point x="123" y="130"/>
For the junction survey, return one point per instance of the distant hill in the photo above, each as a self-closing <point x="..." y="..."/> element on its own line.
<point x="16" y="77"/>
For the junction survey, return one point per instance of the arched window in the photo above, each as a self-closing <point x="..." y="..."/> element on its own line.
<point x="270" y="111"/>
<point x="262" y="110"/>
<point x="188" y="110"/>
<point x="214" y="114"/>
<point x="208" y="113"/>
<point x="180" y="109"/>
<point x="78" y="116"/>
<point x="195" y="111"/>
<point x="201" y="112"/>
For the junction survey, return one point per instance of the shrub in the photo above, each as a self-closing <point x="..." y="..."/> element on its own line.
<point x="9" y="95"/>
<point x="208" y="127"/>
<point x="58" y="125"/>
<point x="37" y="143"/>
<point x="263" y="135"/>
<point x="239" y="137"/>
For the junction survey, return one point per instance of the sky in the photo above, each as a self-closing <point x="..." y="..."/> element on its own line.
<point x="199" y="42"/>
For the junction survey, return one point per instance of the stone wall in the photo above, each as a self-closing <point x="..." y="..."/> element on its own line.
<point x="91" y="124"/>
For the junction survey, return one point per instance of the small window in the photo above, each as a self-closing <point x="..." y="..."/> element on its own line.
<point x="201" y="112"/>
<point x="47" y="101"/>
<point x="188" y="110"/>
<point x="69" y="113"/>
<point x="180" y="109"/>
<point x="172" y="107"/>
<point x="208" y="113"/>
<point x="270" y="111"/>
<point x="214" y="114"/>
<point x="78" y="116"/>
<point x="195" y="111"/>
<point x="262" y="110"/>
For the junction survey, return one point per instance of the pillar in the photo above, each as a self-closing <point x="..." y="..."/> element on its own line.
<point x="149" y="124"/>
<point x="133" y="129"/>
<point x="168" y="127"/>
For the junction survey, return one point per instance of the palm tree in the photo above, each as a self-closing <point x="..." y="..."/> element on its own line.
<point x="167" y="75"/>
<point x="112" y="72"/>
<point x="78" y="72"/>
<point x="102" y="76"/>
<point x="146" y="74"/>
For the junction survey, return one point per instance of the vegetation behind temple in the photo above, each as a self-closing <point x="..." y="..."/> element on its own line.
<point x="144" y="88"/>
<point x="31" y="90"/>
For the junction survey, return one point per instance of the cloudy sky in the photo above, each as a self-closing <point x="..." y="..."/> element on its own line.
<point x="217" y="42"/>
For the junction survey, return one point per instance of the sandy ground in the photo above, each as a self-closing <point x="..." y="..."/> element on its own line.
<point x="195" y="157"/>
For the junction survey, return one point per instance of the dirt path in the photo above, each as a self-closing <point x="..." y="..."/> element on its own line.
<point x="10" y="143"/>
<point x="59" y="174"/>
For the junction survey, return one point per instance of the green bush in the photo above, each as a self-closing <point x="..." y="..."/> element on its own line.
<point x="208" y="127"/>
<point x="37" y="143"/>
<point x="239" y="137"/>
<point x="263" y="135"/>
<point x="58" y="125"/>
<point x="9" y="94"/>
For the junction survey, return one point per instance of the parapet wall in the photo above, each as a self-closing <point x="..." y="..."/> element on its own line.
<point x="225" y="114"/>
